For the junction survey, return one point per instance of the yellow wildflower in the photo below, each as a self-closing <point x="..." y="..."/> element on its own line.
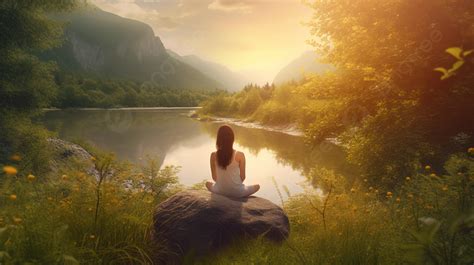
<point x="389" y="194"/>
<point x="15" y="157"/>
<point x="371" y="188"/>
<point x="353" y="190"/>
<point x="92" y="236"/>
<point x="31" y="177"/>
<point x="444" y="188"/>
<point x="410" y="196"/>
<point x="9" y="170"/>
<point x="90" y="209"/>
<point x="64" y="177"/>
<point x="427" y="167"/>
<point x="17" y="220"/>
<point x="397" y="199"/>
<point x="433" y="175"/>
<point x="408" y="178"/>
<point x="471" y="150"/>
<point x="12" y="197"/>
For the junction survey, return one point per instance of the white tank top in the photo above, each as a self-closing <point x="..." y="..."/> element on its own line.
<point x="228" y="180"/>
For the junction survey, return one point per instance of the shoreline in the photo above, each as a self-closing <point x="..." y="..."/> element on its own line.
<point x="125" y="108"/>
<point x="290" y="129"/>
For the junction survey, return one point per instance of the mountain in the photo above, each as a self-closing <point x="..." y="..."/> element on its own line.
<point x="106" y="45"/>
<point x="230" y="80"/>
<point x="305" y="64"/>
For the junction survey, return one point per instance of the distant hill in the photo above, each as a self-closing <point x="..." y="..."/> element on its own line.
<point x="106" y="45"/>
<point x="230" y="80"/>
<point x="306" y="63"/>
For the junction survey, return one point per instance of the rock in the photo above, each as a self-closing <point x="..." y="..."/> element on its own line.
<point x="67" y="155"/>
<point x="200" y="221"/>
<point x="206" y="118"/>
<point x="193" y="114"/>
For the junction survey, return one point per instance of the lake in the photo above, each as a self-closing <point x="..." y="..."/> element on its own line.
<point x="173" y="138"/>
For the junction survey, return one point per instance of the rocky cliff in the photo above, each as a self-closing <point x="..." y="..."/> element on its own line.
<point x="107" y="45"/>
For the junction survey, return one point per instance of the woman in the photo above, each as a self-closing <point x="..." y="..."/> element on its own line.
<point x="228" y="167"/>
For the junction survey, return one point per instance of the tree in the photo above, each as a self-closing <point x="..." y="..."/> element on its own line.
<point x="391" y="108"/>
<point x="26" y="83"/>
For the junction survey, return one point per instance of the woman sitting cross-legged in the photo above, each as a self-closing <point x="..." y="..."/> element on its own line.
<point x="228" y="167"/>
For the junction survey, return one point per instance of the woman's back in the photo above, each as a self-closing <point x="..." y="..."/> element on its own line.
<point x="228" y="179"/>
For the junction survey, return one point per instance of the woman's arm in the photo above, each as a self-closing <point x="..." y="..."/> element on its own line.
<point x="242" y="166"/>
<point x="213" y="166"/>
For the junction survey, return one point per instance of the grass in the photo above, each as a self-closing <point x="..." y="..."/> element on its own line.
<point x="70" y="218"/>
<point x="427" y="221"/>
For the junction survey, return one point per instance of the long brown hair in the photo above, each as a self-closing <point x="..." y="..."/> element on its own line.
<point x="224" y="145"/>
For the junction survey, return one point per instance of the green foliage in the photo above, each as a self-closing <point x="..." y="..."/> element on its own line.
<point x="26" y="82"/>
<point x="82" y="92"/>
<point x="440" y="210"/>
<point x="23" y="139"/>
<point x="392" y="110"/>
<point x="268" y="105"/>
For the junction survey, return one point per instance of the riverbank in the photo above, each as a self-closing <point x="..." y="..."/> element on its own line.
<point x="290" y="129"/>
<point x="126" y="108"/>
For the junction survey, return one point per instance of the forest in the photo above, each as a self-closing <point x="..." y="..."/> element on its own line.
<point x="77" y="92"/>
<point x="398" y="102"/>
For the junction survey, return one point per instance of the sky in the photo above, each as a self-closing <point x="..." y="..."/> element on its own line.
<point x="253" y="37"/>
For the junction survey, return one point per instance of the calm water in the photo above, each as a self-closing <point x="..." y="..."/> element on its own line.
<point x="175" y="139"/>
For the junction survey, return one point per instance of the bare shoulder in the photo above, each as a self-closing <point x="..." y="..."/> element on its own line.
<point x="239" y="156"/>
<point x="213" y="155"/>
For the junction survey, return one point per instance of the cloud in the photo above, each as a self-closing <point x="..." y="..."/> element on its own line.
<point x="134" y="10"/>
<point x="244" y="6"/>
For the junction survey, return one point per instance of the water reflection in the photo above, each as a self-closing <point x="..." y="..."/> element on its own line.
<point x="178" y="140"/>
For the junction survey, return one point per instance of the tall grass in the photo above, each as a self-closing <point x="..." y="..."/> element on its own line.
<point x="428" y="221"/>
<point x="73" y="218"/>
<point x="61" y="219"/>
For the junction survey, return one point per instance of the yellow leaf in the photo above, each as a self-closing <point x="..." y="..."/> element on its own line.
<point x="466" y="53"/>
<point x="455" y="51"/>
<point x="456" y="66"/>
<point x="442" y="70"/>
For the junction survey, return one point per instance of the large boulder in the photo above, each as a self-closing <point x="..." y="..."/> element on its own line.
<point x="67" y="155"/>
<point x="199" y="221"/>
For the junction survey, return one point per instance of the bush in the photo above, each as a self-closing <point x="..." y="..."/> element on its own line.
<point x="73" y="218"/>
<point x="23" y="143"/>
